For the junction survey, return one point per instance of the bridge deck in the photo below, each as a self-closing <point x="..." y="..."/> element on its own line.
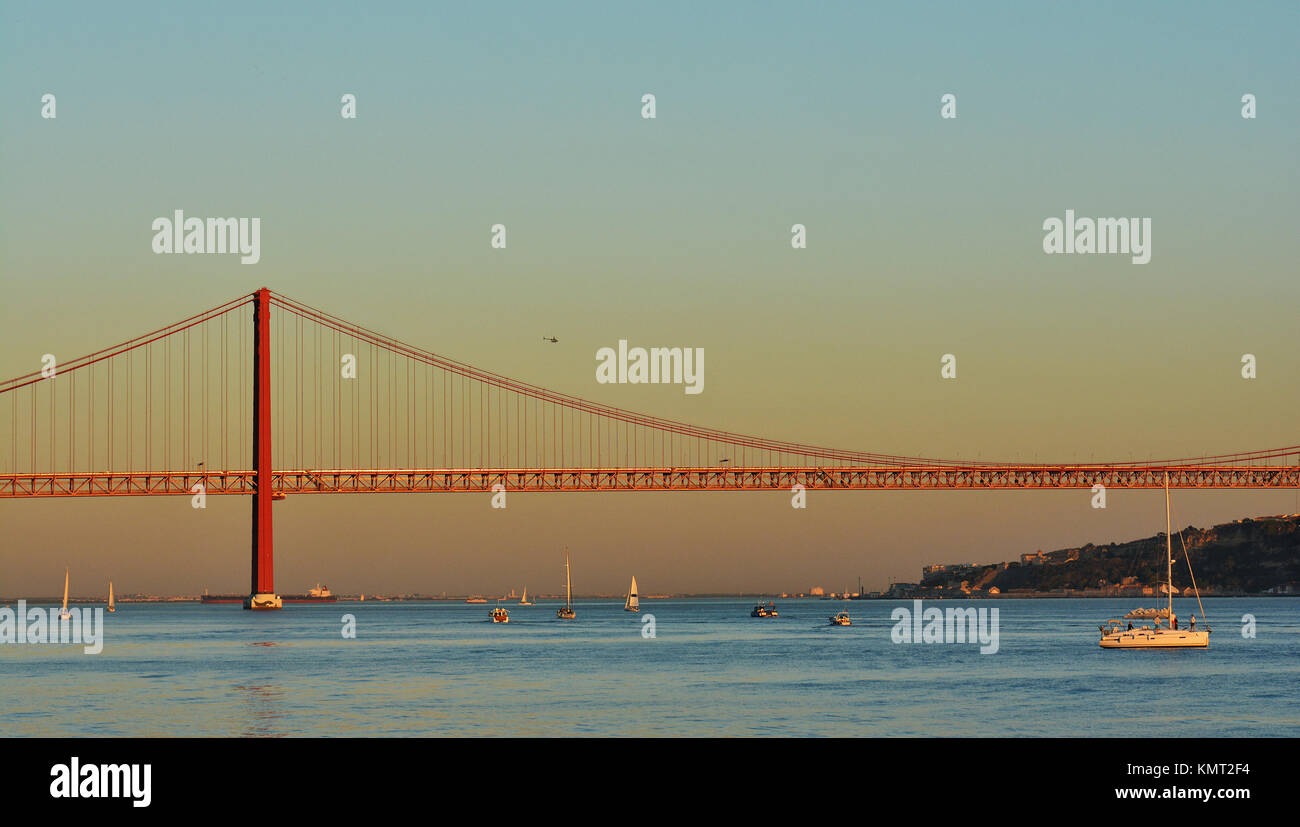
<point x="450" y="480"/>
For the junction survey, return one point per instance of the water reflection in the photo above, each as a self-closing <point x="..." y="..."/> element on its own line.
<point x="264" y="710"/>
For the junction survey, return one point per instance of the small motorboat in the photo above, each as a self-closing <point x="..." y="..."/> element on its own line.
<point x="500" y="615"/>
<point x="841" y="619"/>
<point x="764" y="611"/>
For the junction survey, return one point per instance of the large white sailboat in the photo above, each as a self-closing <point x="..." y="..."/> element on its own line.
<point x="632" y="604"/>
<point x="524" y="601"/>
<point x="64" y="614"/>
<point x="566" y="611"/>
<point x="111" y="606"/>
<point x="1115" y="636"/>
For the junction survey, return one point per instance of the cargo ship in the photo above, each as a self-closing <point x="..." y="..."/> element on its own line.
<point x="319" y="594"/>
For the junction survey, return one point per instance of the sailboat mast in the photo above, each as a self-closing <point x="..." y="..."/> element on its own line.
<point x="1169" y="552"/>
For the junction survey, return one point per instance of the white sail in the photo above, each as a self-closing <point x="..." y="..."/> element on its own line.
<point x="110" y="594"/>
<point x="632" y="604"/>
<point x="64" y="614"/>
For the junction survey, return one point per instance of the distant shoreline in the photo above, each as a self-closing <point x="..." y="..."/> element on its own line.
<point x="57" y="600"/>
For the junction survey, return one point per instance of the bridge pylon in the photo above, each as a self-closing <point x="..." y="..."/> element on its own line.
<point x="262" y="594"/>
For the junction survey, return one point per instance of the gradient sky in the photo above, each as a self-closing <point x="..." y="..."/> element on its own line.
<point x="924" y="239"/>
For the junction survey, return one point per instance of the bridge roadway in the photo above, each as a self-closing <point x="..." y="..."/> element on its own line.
<point x="722" y="478"/>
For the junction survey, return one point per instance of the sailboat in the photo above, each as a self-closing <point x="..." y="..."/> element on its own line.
<point x="632" y="604"/>
<point x="64" y="614"/>
<point x="566" y="611"/>
<point x="111" y="607"/>
<point x="524" y="601"/>
<point x="1115" y="636"/>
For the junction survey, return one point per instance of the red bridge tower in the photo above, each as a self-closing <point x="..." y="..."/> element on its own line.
<point x="262" y="595"/>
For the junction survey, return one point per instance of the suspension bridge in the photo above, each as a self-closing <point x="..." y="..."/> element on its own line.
<point x="188" y="408"/>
